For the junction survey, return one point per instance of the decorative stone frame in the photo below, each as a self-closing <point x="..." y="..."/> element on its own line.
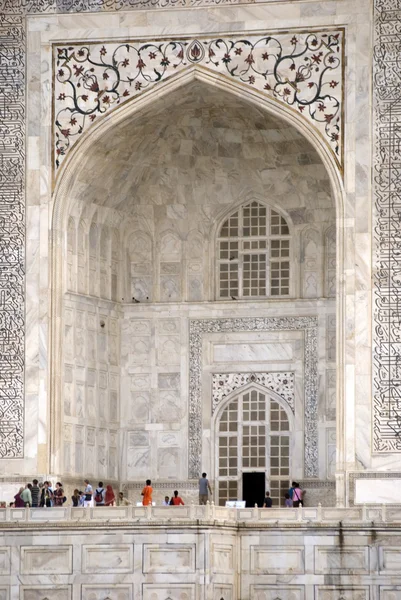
<point x="198" y="327"/>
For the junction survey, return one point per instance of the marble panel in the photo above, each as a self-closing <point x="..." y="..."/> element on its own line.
<point x="106" y="591"/>
<point x="171" y="558"/>
<point x="169" y="462"/>
<point x="46" y="592"/>
<point x="341" y="592"/>
<point x="277" y="560"/>
<point x="389" y="592"/>
<point x="138" y="407"/>
<point x="377" y="491"/>
<point x="108" y="558"/>
<point x="174" y="591"/>
<point x="223" y="560"/>
<point x="169" y="351"/>
<point x="138" y="462"/>
<point x="252" y="352"/>
<point x="5" y="560"/>
<point x="330" y="560"/>
<point x="389" y="560"/>
<point x="273" y="592"/>
<point x="46" y="560"/>
<point x="223" y="591"/>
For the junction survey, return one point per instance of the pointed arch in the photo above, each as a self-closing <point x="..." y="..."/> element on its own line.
<point x="74" y="165"/>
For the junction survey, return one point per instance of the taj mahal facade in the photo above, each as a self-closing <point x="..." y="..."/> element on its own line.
<point x="200" y="271"/>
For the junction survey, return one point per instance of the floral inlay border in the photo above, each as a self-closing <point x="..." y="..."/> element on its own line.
<point x="199" y="327"/>
<point x="281" y="383"/>
<point x="302" y="70"/>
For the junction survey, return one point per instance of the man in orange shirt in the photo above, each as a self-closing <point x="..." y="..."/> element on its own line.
<point x="147" y="494"/>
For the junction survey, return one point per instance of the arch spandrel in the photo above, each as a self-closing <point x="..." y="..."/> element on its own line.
<point x="300" y="71"/>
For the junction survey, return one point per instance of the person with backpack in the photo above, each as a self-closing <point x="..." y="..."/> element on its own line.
<point x="297" y="496"/>
<point x="100" y="493"/>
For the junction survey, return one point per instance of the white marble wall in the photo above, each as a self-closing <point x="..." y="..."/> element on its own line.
<point x="152" y="562"/>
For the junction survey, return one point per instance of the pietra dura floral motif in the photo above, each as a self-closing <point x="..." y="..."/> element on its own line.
<point x="301" y="70"/>
<point x="281" y="383"/>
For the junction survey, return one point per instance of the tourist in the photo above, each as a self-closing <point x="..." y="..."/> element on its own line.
<point x="88" y="491"/>
<point x="268" y="502"/>
<point x="204" y="489"/>
<point x="176" y="500"/>
<point x="46" y="495"/>
<point x="26" y="495"/>
<point x="122" y="501"/>
<point x="166" y="501"/>
<point x="100" y="493"/>
<point x="81" y="499"/>
<point x="288" y="501"/>
<point x="35" y="491"/>
<point x="75" y="497"/>
<point x="147" y="494"/>
<point x="19" y="503"/>
<point x="12" y="504"/>
<point x="297" y="496"/>
<point x="110" y="499"/>
<point x="3" y="504"/>
<point x="58" y="495"/>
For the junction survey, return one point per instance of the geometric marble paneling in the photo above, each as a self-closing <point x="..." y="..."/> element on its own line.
<point x="340" y="592"/>
<point x="104" y="558"/>
<point x="46" y="592"/>
<point x="106" y="591"/>
<point x="277" y="560"/>
<point x="277" y="592"/>
<point x="344" y="560"/>
<point x="46" y="560"/>
<point x="174" y="591"/>
<point x="171" y="558"/>
<point x="5" y="592"/>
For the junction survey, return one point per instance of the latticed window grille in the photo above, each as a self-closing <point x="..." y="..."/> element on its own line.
<point x="254" y="254"/>
<point x="253" y="435"/>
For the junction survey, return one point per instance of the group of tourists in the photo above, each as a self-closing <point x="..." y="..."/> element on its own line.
<point x="37" y="494"/>
<point x="293" y="498"/>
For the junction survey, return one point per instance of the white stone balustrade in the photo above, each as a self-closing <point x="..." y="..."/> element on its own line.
<point x="209" y="513"/>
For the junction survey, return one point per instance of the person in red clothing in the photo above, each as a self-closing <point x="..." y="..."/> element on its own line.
<point x="147" y="494"/>
<point x="176" y="500"/>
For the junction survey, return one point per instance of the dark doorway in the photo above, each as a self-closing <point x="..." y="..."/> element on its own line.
<point x="253" y="488"/>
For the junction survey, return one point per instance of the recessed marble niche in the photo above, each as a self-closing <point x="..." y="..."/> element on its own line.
<point x="147" y="229"/>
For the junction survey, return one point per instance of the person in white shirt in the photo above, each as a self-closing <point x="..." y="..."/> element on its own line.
<point x="88" y="494"/>
<point x="166" y="501"/>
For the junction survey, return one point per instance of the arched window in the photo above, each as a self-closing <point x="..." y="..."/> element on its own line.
<point x="254" y="254"/>
<point x="253" y="434"/>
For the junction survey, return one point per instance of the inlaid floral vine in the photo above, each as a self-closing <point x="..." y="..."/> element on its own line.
<point x="300" y="70"/>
